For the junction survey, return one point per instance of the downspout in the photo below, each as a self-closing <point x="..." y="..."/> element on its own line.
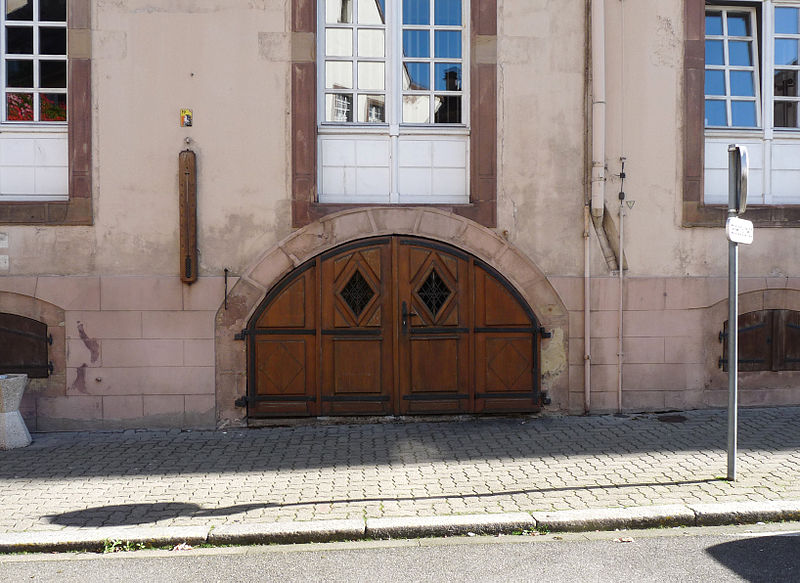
<point x="620" y="353"/>
<point x="587" y="314"/>
<point x="598" y="107"/>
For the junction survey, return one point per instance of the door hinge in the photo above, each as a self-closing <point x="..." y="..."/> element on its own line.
<point x="241" y="401"/>
<point x="544" y="333"/>
<point x="241" y="335"/>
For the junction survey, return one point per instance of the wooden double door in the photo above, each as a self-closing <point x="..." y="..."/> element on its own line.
<point x="392" y="325"/>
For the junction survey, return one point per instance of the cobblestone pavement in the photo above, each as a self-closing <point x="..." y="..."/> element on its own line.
<point x="462" y="466"/>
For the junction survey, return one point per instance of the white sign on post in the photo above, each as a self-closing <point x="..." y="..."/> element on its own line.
<point x="739" y="230"/>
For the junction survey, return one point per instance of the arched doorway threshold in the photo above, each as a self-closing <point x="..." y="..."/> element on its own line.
<point x="341" y="228"/>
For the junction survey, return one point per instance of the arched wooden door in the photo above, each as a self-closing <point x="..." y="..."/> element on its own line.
<point x="392" y="325"/>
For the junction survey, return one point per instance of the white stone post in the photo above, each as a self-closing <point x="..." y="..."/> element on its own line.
<point x="13" y="432"/>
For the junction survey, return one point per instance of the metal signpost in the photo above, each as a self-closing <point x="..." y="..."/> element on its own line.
<point x="738" y="231"/>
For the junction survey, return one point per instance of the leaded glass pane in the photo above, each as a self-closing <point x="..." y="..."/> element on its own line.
<point x="786" y="114"/>
<point x="785" y="51"/>
<point x="447" y="109"/>
<point x="371" y="76"/>
<point x="416" y="76"/>
<point x="19" y="73"/>
<point x="53" y="106"/>
<point x="433" y="292"/>
<point x="371" y="109"/>
<point x="371" y="43"/>
<point x="339" y="107"/>
<point x="371" y="11"/>
<point x="53" y="41"/>
<point x="19" y="106"/>
<point x="338" y="75"/>
<point x="19" y="10"/>
<point x="357" y="293"/>
<point x="339" y="11"/>
<point x="53" y="10"/>
<point x="19" y="40"/>
<point x="416" y="44"/>
<point x="53" y="74"/>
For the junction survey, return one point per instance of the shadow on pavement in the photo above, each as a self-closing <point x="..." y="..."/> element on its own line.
<point x="761" y="559"/>
<point x="133" y="514"/>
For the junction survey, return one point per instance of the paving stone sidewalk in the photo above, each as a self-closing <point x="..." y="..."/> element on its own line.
<point x="73" y="481"/>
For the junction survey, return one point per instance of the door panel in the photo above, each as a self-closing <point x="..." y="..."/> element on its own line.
<point x="357" y="356"/>
<point x="434" y="368"/>
<point x="393" y="325"/>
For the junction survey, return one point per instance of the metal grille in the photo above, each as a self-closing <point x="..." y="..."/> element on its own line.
<point x="357" y="293"/>
<point x="433" y="292"/>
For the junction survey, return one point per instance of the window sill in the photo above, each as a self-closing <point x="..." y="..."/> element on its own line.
<point x="763" y="216"/>
<point x="307" y="212"/>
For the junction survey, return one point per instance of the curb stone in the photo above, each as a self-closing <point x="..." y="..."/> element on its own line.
<point x="95" y="539"/>
<point x="429" y="526"/>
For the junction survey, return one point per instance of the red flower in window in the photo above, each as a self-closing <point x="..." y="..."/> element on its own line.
<point x="52" y="110"/>
<point x="20" y="106"/>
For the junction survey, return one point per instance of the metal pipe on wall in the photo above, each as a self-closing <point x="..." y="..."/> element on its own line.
<point x="620" y="353"/>
<point x="587" y="314"/>
<point x="598" y="107"/>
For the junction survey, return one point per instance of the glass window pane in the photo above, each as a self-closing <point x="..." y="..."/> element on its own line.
<point x="714" y="23"/>
<point x="417" y="76"/>
<point x="447" y="12"/>
<point x="371" y="76"/>
<point x="53" y="107"/>
<point x="786" y="83"/>
<point x="371" y="43"/>
<point x="53" y="10"/>
<point x="416" y="44"/>
<point x="743" y="114"/>
<point x="416" y="109"/>
<point x="19" y="106"/>
<point x="339" y="107"/>
<point x="19" y="41"/>
<point x="714" y="53"/>
<point x="53" y="74"/>
<point x="371" y="109"/>
<point x="739" y="53"/>
<point x="785" y="51"/>
<point x="338" y="75"/>
<point x="371" y="11"/>
<point x="19" y="73"/>
<point x="339" y="42"/>
<point x="738" y="24"/>
<point x="52" y="41"/>
<point x="786" y="114"/>
<point x="742" y="84"/>
<point x="447" y="44"/>
<point x="447" y="109"/>
<point x="715" y="82"/>
<point x="19" y="10"/>
<point x="339" y="11"/>
<point x="416" y="12"/>
<point x="448" y="77"/>
<point x="716" y="114"/>
<point x="786" y="20"/>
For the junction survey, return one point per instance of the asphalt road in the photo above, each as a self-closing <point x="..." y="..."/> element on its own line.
<point x="761" y="553"/>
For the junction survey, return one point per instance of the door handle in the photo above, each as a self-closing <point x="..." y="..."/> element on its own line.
<point x="404" y="315"/>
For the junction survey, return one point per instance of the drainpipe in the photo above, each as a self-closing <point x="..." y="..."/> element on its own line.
<point x="598" y="107"/>
<point x="620" y="353"/>
<point x="587" y="314"/>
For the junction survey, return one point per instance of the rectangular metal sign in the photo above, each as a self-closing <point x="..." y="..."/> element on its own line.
<point x="739" y="230"/>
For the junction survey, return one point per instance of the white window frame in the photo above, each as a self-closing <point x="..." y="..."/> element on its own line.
<point x="768" y="144"/>
<point x="393" y="130"/>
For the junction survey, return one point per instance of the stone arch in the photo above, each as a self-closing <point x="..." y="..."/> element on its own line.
<point x="53" y="317"/>
<point x="343" y="227"/>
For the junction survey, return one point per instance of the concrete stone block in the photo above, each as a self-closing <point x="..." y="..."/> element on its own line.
<point x="195" y="324"/>
<point x="645" y="294"/>
<point x="685" y="350"/>
<point x="198" y="352"/>
<point x="95" y="539"/>
<point x="570" y="290"/>
<point x="615" y="518"/>
<point x="162" y="380"/>
<point x="270" y="268"/>
<point x="395" y="220"/>
<point x="70" y="293"/>
<point x="207" y="293"/>
<point x="288" y="532"/>
<point x="140" y="352"/>
<point x="122" y="407"/>
<point x="746" y="512"/>
<point x="141" y="293"/>
<point x="106" y="324"/>
<point x="440" y="225"/>
<point x="18" y="284"/>
<point x="422" y="526"/>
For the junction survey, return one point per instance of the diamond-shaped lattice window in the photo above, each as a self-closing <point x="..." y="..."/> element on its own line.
<point x="357" y="293"/>
<point x="433" y="292"/>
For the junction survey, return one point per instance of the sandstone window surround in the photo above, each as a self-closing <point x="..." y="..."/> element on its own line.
<point x="64" y="206"/>
<point x="717" y="112"/>
<point x="481" y="120"/>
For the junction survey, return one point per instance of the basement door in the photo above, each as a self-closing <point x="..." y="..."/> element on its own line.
<point x="388" y="326"/>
